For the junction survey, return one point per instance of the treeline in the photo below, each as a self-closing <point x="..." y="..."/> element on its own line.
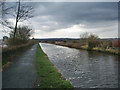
<point x="92" y="41"/>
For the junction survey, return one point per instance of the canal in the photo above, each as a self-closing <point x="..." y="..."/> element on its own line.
<point x="84" y="69"/>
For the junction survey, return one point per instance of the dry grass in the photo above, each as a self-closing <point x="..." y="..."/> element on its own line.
<point x="78" y="45"/>
<point x="9" y="53"/>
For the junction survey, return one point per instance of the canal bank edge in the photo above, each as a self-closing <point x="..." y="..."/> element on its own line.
<point x="86" y="48"/>
<point x="49" y="77"/>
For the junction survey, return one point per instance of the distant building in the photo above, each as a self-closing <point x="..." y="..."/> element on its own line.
<point x="4" y="41"/>
<point x="5" y="38"/>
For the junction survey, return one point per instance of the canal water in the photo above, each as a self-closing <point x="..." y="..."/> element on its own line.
<point x="84" y="69"/>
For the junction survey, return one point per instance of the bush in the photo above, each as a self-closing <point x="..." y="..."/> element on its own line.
<point x="93" y="41"/>
<point x="14" y="42"/>
<point x="105" y="44"/>
<point x="22" y="36"/>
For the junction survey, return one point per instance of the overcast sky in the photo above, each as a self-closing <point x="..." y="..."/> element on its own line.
<point x="70" y="19"/>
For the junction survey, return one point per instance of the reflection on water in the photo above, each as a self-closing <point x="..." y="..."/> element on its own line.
<point x="84" y="69"/>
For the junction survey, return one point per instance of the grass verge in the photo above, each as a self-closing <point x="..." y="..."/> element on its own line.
<point x="48" y="74"/>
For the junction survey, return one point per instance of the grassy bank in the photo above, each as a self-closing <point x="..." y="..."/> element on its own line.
<point x="10" y="53"/>
<point x="98" y="49"/>
<point x="48" y="74"/>
<point x="85" y="47"/>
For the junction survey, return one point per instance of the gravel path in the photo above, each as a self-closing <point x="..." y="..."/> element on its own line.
<point x="22" y="73"/>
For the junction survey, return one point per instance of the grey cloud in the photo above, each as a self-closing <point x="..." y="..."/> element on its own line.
<point x="67" y="14"/>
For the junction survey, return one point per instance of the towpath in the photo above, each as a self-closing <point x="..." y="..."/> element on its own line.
<point x="22" y="73"/>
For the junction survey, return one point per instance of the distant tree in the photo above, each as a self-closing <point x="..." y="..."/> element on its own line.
<point x="93" y="41"/>
<point x="84" y="37"/>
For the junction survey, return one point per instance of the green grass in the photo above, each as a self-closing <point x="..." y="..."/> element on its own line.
<point x="49" y="77"/>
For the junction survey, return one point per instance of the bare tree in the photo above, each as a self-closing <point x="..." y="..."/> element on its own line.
<point x="84" y="37"/>
<point x="22" y="13"/>
<point x="5" y="10"/>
